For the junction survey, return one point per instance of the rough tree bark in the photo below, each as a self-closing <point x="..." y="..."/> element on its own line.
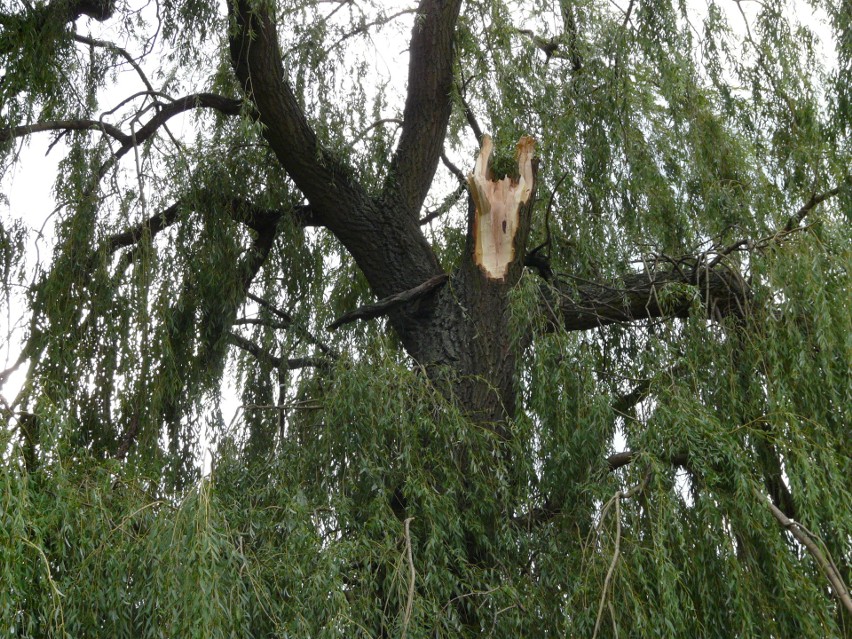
<point x="461" y="328"/>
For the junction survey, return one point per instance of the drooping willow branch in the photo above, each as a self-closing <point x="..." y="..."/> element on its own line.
<point x="616" y="500"/>
<point x="791" y="226"/>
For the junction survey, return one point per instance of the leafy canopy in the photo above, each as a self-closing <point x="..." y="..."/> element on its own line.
<point x="631" y="492"/>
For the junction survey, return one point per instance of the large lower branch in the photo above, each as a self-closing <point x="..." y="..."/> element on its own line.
<point x="645" y="295"/>
<point x="721" y="291"/>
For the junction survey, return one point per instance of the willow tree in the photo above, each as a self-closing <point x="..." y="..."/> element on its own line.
<point x="548" y="337"/>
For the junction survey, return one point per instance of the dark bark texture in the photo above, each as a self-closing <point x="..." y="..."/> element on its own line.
<point x="457" y="331"/>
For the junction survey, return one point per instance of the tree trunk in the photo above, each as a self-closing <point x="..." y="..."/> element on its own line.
<point x="466" y="332"/>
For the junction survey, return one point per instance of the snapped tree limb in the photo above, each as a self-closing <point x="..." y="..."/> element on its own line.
<point x="498" y="206"/>
<point x="384" y="306"/>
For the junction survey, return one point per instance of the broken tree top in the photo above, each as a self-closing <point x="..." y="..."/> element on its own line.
<point x="498" y="204"/>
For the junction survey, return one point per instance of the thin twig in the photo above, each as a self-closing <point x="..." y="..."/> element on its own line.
<point x="616" y="500"/>
<point x="617" y="497"/>
<point x="411" y="576"/>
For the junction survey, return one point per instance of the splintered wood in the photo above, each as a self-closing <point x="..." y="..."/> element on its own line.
<point x="497" y="205"/>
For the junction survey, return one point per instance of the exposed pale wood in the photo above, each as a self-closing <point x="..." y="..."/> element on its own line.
<point x="498" y="203"/>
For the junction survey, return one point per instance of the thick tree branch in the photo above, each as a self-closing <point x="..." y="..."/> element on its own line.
<point x="42" y="15"/>
<point x="452" y="168"/>
<point x="66" y="125"/>
<point x="387" y="245"/>
<point x="99" y="10"/>
<point x="643" y="296"/>
<point x="257" y="62"/>
<point x="150" y="227"/>
<point x="640" y="296"/>
<point x="222" y="104"/>
<point x="472" y="121"/>
<point x="427" y="104"/>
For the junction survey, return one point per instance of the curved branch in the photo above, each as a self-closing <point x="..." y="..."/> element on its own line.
<point x="226" y="106"/>
<point x="365" y="27"/>
<point x="427" y="104"/>
<point x="104" y="44"/>
<point x="456" y="171"/>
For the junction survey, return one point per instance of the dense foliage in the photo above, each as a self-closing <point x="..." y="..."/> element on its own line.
<point x="645" y="431"/>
